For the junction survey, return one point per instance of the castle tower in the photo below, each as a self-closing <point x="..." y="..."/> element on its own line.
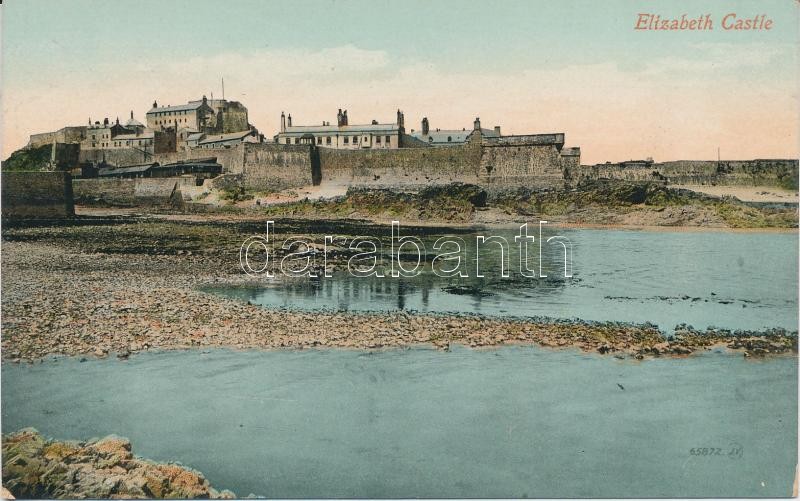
<point x="477" y="124"/>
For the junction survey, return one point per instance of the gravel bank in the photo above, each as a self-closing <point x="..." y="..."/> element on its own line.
<point x="59" y="302"/>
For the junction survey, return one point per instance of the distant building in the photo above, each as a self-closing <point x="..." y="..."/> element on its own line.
<point x="343" y="135"/>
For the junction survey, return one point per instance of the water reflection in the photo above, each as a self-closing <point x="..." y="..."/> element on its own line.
<point x="730" y="280"/>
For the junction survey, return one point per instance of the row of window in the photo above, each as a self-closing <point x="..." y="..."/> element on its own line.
<point x="136" y="142"/>
<point x="162" y="113"/>
<point x="117" y="144"/>
<point x="346" y="140"/>
<point x="161" y="122"/>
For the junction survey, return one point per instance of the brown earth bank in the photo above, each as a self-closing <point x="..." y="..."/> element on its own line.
<point x="57" y="301"/>
<point x="35" y="467"/>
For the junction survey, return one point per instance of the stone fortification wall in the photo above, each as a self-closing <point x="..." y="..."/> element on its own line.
<point x="404" y="167"/>
<point x="270" y="167"/>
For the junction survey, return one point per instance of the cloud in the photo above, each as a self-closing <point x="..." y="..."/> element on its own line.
<point x="669" y="109"/>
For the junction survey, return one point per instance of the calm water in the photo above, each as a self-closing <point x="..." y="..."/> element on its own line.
<point x="513" y="422"/>
<point x="729" y="280"/>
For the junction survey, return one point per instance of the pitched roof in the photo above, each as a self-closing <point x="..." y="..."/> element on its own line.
<point x="192" y="105"/>
<point x="216" y="138"/>
<point x="147" y="134"/>
<point x="441" y="136"/>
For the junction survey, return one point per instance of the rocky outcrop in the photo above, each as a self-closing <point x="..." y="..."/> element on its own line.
<point x="34" y="467"/>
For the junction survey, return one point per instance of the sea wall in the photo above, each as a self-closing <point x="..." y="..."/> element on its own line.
<point x="37" y="194"/>
<point x="760" y="172"/>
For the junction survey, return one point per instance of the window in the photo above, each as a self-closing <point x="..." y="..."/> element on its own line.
<point x="355" y="139"/>
<point x="328" y="140"/>
<point x="346" y="139"/>
<point x="297" y="140"/>
<point x="288" y="140"/>
<point x="378" y="139"/>
<point x="388" y="139"/>
<point x="319" y="140"/>
<point x="449" y="139"/>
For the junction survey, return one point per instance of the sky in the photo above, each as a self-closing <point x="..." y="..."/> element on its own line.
<point x="573" y="66"/>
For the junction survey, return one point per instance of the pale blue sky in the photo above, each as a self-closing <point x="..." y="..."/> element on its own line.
<point x="92" y="41"/>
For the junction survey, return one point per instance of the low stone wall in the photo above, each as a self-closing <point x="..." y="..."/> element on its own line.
<point x="761" y="172"/>
<point x="37" y="194"/>
<point x="131" y="192"/>
<point x="115" y="191"/>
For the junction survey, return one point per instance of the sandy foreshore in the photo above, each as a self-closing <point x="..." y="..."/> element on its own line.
<point x="60" y="302"/>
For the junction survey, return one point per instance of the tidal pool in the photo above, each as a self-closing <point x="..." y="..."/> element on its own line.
<point x="705" y="279"/>
<point x="510" y="422"/>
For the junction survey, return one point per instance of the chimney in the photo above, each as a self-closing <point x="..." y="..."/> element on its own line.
<point x="497" y="130"/>
<point x="131" y="114"/>
<point x="339" y="120"/>
<point x="344" y="117"/>
<point x="105" y="121"/>
<point x="477" y="124"/>
<point x="425" y="126"/>
<point x="155" y="104"/>
<point x="283" y="122"/>
<point x="289" y="120"/>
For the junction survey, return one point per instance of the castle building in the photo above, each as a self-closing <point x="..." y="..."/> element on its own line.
<point x="195" y="114"/>
<point x="213" y="116"/>
<point x="343" y="136"/>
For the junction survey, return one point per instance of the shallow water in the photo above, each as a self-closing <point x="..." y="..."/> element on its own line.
<point x="511" y="422"/>
<point x="728" y="280"/>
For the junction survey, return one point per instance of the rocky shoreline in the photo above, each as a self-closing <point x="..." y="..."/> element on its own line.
<point x="35" y="467"/>
<point x="59" y="302"/>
